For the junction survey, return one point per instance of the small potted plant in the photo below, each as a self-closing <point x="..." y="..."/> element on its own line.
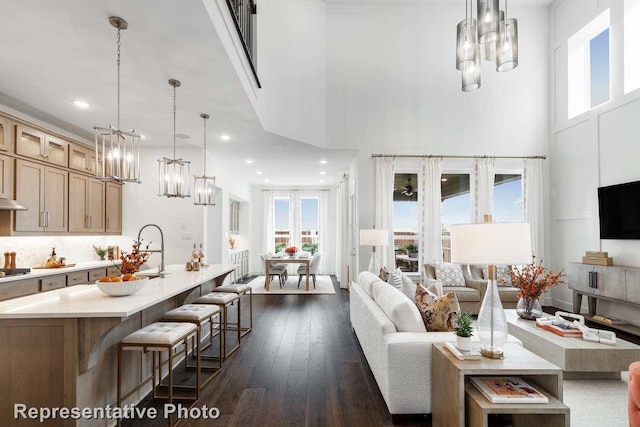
<point x="100" y="251"/>
<point x="464" y="331"/>
<point x="412" y="250"/>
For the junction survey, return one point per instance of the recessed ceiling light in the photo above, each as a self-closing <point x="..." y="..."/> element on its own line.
<point x="81" y="104"/>
<point x="266" y="181"/>
<point x="224" y="137"/>
<point x="323" y="162"/>
<point x="323" y="173"/>
<point x="248" y="161"/>
<point x="182" y="136"/>
<point x="259" y="172"/>
<point x="321" y="181"/>
<point x="444" y="179"/>
<point x="143" y="137"/>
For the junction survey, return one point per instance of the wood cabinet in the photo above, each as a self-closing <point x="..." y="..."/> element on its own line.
<point x="5" y="177"/>
<point x="44" y="191"/>
<point x="38" y="145"/>
<point x="77" y="278"/>
<point x="6" y="136"/>
<point x="87" y="206"/>
<point x="96" y="274"/>
<point x="82" y="158"/>
<point x="53" y="282"/>
<point x="113" y="207"/>
<point x="19" y="289"/>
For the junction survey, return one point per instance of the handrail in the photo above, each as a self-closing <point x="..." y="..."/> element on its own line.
<point x="241" y="12"/>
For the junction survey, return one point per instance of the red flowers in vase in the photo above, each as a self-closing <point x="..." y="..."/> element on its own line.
<point x="291" y="250"/>
<point x="533" y="280"/>
<point x="131" y="262"/>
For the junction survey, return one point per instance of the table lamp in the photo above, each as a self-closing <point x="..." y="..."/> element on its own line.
<point x="491" y="244"/>
<point x="374" y="238"/>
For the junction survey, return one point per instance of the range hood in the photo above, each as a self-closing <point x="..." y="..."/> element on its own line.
<point x="11" y="205"/>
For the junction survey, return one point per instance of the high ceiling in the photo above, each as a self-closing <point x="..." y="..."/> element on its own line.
<point x="57" y="52"/>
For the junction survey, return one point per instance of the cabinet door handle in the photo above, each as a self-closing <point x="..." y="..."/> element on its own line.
<point x="46" y="219"/>
<point x="41" y="219"/>
<point x="107" y="222"/>
<point x="90" y="221"/>
<point x="595" y="280"/>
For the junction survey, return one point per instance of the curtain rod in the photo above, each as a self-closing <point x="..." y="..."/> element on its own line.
<point x="434" y="156"/>
<point x="296" y="189"/>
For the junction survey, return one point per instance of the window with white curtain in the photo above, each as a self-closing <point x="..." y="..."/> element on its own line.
<point x="507" y="198"/>
<point x="406" y="221"/>
<point x="309" y="223"/>
<point x="281" y="223"/>
<point x="306" y="233"/>
<point x="456" y="206"/>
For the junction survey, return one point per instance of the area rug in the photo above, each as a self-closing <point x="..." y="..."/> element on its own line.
<point x="324" y="285"/>
<point x="597" y="403"/>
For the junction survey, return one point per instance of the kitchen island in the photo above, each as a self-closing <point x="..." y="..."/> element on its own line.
<point x="59" y="348"/>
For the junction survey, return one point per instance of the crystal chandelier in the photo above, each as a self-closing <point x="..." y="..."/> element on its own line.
<point x="492" y="35"/>
<point x="117" y="151"/>
<point x="204" y="187"/>
<point x="174" y="174"/>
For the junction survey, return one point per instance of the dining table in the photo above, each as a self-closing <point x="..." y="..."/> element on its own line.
<point x="286" y="259"/>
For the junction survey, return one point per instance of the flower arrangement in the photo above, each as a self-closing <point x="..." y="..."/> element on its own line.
<point x="131" y="262"/>
<point x="532" y="280"/>
<point x="291" y="250"/>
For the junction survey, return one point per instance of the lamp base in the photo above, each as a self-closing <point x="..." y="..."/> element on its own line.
<point x="374" y="265"/>
<point x="492" y="354"/>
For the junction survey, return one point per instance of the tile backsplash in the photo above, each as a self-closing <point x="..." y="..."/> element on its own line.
<point x="33" y="251"/>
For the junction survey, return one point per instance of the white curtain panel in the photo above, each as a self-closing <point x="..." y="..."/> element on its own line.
<point x="430" y="197"/>
<point x="385" y="176"/>
<point x="294" y="219"/>
<point x="483" y="194"/>
<point x="533" y="196"/>
<point x="269" y="232"/>
<point x="343" y="242"/>
<point x="323" y="237"/>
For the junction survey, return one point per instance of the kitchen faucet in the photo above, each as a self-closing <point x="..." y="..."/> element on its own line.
<point x="161" y="268"/>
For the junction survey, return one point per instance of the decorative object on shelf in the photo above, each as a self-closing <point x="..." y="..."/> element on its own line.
<point x="131" y="262"/>
<point x="464" y="332"/>
<point x="232" y="242"/>
<point x="113" y="252"/>
<point x="174" y="174"/>
<point x="560" y="325"/>
<point x="117" y="151"/>
<point x="492" y="33"/>
<point x="204" y="187"/>
<point x="374" y="238"/>
<point x="510" y="243"/>
<point x="100" y="251"/>
<point x="532" y="280"/>
<point x="597" y="258"/>
<point x="291" y="251"/>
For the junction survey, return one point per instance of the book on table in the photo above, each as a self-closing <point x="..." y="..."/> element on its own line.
<point x="474" y="354"/>
<point x="562" y="328"/>
<point x="608" y="320"/>
<point x="508" y="390"/>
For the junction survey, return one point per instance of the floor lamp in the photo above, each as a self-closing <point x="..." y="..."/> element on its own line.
<point x="491" y="244"/>
<point x="374" y="238"/>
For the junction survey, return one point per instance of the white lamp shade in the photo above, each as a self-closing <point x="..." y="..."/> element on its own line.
<point x="374" y="237"/>
<point x="493" y="243"/>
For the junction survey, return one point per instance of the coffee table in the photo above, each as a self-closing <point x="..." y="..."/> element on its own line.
<point x="456" y="402"/>
<point x="579" y="359"/>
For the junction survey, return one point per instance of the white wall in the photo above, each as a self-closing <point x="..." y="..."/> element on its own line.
<point x="597" y="148"/>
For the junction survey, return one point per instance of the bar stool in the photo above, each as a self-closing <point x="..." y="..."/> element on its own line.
<point x="157" y="338"/>
<point x="240" y="290"/>
<point x="223" y="300"/>
<point x="200" y="314"/>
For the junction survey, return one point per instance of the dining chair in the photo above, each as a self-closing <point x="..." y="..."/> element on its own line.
<point x="280" y="271"/>
<point x="314" y="264"/>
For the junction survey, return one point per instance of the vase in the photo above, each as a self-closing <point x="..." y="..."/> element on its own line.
<point x="463" y="343"/>
<point x="529" y="308"/>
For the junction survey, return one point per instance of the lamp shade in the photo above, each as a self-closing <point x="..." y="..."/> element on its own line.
<point x="374" y="237"/>
<point x="496" y="243"/>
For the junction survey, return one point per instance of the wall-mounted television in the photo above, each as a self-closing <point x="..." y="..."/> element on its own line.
<point x="619" y="207"/>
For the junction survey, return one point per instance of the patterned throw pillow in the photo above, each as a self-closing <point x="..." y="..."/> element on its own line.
<point x="395" y="279"/>
<point x="384" y="274"/>
<point x="502" y="272"/>
<point x="449" y="274"/>
<point x="440" y="314"/>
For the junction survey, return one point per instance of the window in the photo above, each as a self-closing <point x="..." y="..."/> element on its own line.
<point x="406" y="221"/>
<point x="309" y="224"/>
<point x="281" y="223"/>
<point x="507" y="198"/>
<point x="589" y="76"/>
<point x="631" y="43"/>
<point x="456" y="206"/>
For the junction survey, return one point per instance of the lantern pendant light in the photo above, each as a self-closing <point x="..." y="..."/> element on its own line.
<point x="117" y="152"/>
<point x="472" y="77"/>
<point x="174" y="174"/>
<point x="488" y="20"/>
<point x="507" y="48"/>
<point x="467" y="42"/>
<point x="204" y="187"/>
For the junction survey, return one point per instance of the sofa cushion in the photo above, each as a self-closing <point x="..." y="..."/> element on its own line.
<point x="395" y="278"/>
<point x="449" y="274"/>
<point x="508" y="293"/>
<point x="399" y="309"/>
<point x="366" y="280"/>
<point x="464" y="294"/>
<point x="438" y="314"/>
<point x="408" y="287"/>
<point x="502" y="274"/>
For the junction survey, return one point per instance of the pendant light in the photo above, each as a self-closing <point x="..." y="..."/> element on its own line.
<point x="174" y="174"/>
<point x="467" y="42"/>
<point x="204" y="187"/>
<point x="507" y="49"/>
<point x="472" y="77"/>
<point x="489" y="48"/>
<point x="488" y="20"/>
<point x="117" y="151"/>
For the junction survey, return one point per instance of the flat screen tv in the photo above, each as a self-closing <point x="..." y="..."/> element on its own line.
<point x="619" y="207"/>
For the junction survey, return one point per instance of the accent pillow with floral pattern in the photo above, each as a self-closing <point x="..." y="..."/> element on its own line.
<point x="440" y="314"/>
<point x="449" y="274"/>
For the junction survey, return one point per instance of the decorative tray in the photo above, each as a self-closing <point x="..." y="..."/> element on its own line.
<point x="42" y="267"/>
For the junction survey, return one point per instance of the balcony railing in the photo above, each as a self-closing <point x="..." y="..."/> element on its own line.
<point x="244" y="17"/>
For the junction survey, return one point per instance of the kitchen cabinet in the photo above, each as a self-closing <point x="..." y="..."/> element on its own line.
<point x="86" y="209"/>
<point x="113" y="271"/>
<point x="83" y="159"/>
<point x="241" y="259"/>
<point x="38" y="145"/>
<point x="5" y="177"/>
<point x="44" y="190"/>
<point x="113" y="207"/>
<point x="96" y="274"/>
<point x="19" y="289"/>
<point x="234" y="217"/>
<point x="53" y="282"/>
<point x="77" y="278"/>
<point x="6" y="136"/>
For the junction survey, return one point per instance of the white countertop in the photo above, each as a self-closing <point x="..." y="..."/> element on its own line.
<point x="89" y="301"/>
<point x="43" y="272"/>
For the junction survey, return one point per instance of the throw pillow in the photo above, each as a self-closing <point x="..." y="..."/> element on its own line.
<point x="395" y="278"/>
<point x="435" y="288"/>
<point x="384" y="274"/>
<point x="450" y="275"/>
<point x="439" y="314"/>
<point x="397" y="307"/>
<point x="502" y="272"/>
<point x="408" y="287"/>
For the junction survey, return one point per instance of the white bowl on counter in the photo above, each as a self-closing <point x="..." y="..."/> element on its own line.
<point x="121" y="289"/>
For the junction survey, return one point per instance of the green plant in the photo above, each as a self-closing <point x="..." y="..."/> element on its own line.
<point x="464" y="326"/>
<point x="280" y="247"/>
<point x="100" y="251"/>
<point x="412" y="248"/>
<point x="312" y="248"/>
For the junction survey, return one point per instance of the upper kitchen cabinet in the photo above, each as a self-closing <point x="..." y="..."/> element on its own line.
<point x="83" y="159"/>
<point x="86" y="207"/>
<point x="113" y="207"/>
<point x="38" y="145"/>
<point x="5" y="177"/>
<point x="6" y="141"/>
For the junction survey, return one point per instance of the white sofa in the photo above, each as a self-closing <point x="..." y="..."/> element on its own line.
<point x="399" y="356"/>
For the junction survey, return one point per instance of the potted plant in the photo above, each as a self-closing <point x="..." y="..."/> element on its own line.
<point x="100" y="251"/>
<point x="464" y="331"/>
<point x="412" y="250"/>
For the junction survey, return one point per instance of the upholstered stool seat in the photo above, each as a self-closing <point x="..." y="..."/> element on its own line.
<point x="224" y="300"/>
<point x="240" y="290"/>
<point x="160" y="334"/>
<point x="191" y="313"/>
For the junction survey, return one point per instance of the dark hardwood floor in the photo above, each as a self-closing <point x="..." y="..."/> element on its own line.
<point x="300" y="366"/>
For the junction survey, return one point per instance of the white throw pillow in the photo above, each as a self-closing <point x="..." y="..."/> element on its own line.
<point x="399" y="309"/>
<point x="450" y="275"/>
<point x="395" y="278"/>
<point x="408" y="287"/>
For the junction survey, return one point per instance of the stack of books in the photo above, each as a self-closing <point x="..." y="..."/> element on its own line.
<point x="597" y="258"/>
<point x="508" y="390"/>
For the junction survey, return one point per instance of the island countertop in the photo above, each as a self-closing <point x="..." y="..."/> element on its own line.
<point x="87" y="301"/>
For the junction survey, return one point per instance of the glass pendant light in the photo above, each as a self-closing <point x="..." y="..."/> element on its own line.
<point x="174" y="174"/>
<point x="472" y="77"/>
<point x="489" y="48"/>
<point x="488" y="20"/>
<point x="204" y="187"/>
<point x="467" y="40"/>
<point x="117" y="151"/>
<point x="507" y="49"/>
